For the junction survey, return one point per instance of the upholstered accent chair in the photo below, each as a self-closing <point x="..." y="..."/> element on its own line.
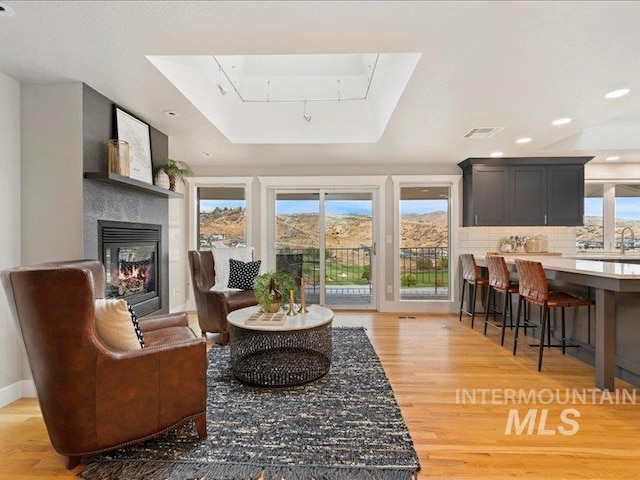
<point x="213" y="306"/>
<point x="94" y="398"/>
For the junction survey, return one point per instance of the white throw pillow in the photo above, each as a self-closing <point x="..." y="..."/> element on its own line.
<point x="221" y="258"/>
<point x="114" y="324"/>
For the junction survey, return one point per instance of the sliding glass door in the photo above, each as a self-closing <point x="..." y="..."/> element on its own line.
<point x="326" y="236"/>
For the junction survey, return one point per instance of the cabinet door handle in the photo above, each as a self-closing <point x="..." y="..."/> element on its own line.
<point x="545" y="219"/>
<point x="475" y="220"/>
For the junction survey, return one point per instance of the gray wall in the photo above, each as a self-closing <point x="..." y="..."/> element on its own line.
<point x="11" y="363"/>
<point x="109" y="202"/>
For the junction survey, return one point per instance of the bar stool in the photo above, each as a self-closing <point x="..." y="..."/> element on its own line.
<point x="471" y="275"/>
<point x="499" y="281"/>
<point x="534" y="289"/>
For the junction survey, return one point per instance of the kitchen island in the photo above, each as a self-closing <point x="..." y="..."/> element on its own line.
<point x="615" y="287"/>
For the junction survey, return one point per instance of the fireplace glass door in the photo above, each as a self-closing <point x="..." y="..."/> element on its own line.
<point x="131" y="258"/>
<point x="130" y="271"/>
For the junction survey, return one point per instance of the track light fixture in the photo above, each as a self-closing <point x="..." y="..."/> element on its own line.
<point x="304" y="111"/>
<point x="223" y="90"/>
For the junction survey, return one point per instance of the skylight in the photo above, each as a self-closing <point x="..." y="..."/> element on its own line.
<point x="323" y="98"/>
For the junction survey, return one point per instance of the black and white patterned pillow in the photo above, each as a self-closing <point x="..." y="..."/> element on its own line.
<point x="242" y="274"/>
<point x="136" y="325"/>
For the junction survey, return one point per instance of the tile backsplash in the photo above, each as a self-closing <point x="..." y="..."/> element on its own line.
<point x="480" y="240"/>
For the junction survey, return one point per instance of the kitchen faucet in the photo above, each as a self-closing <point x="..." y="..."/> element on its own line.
<point x="633" y="239"/>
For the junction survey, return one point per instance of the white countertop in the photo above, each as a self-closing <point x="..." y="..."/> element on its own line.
<point x="633" y="255"/>
<point x="621" y="271"/>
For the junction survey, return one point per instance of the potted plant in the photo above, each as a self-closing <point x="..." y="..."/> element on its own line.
<point x="263" y="289"/>
<point x="176" y="170"/>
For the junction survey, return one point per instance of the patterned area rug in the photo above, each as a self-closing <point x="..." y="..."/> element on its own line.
<point x="346" y="425"/>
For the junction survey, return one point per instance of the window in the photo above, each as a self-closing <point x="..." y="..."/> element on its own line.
<point x="222" y="217"/>
<point x="424" y="242"/>
<point x="627" y="208"/>
<point x="591" y="235"/>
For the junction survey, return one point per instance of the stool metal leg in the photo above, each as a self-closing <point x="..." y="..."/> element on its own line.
<point x="464" y="283"/>
<point x="515" y="338"/>
<point x="507" y="297"/>
<point x="544" y="320"/>
<point x="564" y="335"/>
<point x="486" y="312"/>
<point x="474" y="293"/>
<point x="549" y="329"/>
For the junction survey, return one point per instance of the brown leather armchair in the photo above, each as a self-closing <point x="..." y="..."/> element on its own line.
<point x="213" y="307"/>
<point x="95" y="399"/>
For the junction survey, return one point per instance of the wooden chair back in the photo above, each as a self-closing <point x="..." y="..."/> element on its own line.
<point x="470" y="270"/>
<point x="498" y="272"/>
<point x="533" y="281"/>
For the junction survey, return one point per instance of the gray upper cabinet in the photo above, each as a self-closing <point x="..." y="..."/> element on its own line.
<point x="490" y="187"/>
<point x="523" y="191"/>
<point x="527" y="195"/>
<point x="566" y="183"/>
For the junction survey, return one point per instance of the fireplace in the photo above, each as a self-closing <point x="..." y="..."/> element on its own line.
<point x="131" y="256"/>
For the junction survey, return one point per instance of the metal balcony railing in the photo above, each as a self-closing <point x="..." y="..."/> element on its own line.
<point x="424" y="271"/>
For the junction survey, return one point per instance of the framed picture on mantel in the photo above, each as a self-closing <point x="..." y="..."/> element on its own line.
<point x="136" y="133"/>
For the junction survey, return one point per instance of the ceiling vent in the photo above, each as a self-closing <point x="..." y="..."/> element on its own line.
<point x="482" y="132"/>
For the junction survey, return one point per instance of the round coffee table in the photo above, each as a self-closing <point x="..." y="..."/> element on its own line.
<point x="287" y="355"/>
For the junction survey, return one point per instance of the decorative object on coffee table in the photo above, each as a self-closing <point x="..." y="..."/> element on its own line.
<point x="176" y="170"/>
<point x="292" y="308"/>
<point x="276" y="303"/>
<point x="263" y="292"/>
<point x="303" y="301"/>
<point x="280" y="433"/>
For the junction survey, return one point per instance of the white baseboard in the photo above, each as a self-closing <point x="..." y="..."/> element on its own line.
<point x="16" y="391"/>
<point x="427" y="307"/>
<point x="10" y="393"/>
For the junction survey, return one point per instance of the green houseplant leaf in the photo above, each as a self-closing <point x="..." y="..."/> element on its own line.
<point x="176" y="170"/>
<point x="284" y="283"/>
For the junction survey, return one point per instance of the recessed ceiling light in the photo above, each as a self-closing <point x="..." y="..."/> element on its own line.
<point x="617" y="93"/>
<point x="561" y="121"/>
<point x="524" y="140"/>
<point x="6" y="10"/>
<point x="613" y="158"/>
<point x="496" y="154"/>
<point x="171" y="113"/>
<point x="206" y="154"/>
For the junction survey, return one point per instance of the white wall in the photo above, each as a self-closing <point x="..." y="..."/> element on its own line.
<point x="11" y="360"/>
<point x="51" y="172"/>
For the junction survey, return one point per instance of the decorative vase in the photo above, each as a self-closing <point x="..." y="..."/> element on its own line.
<point x="275" y="307"/>
<point x="119" y="161"/>
<point x="276" y="295"/>
<point x="172" y="183"/>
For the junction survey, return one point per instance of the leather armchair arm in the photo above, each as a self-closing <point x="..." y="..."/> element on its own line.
<point x="156" y="322"/>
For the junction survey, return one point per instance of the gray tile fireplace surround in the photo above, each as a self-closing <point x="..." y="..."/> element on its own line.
<point x="108" y="202"/>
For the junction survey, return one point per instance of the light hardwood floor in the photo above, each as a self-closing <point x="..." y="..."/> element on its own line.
<point x="428" y="358"/>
